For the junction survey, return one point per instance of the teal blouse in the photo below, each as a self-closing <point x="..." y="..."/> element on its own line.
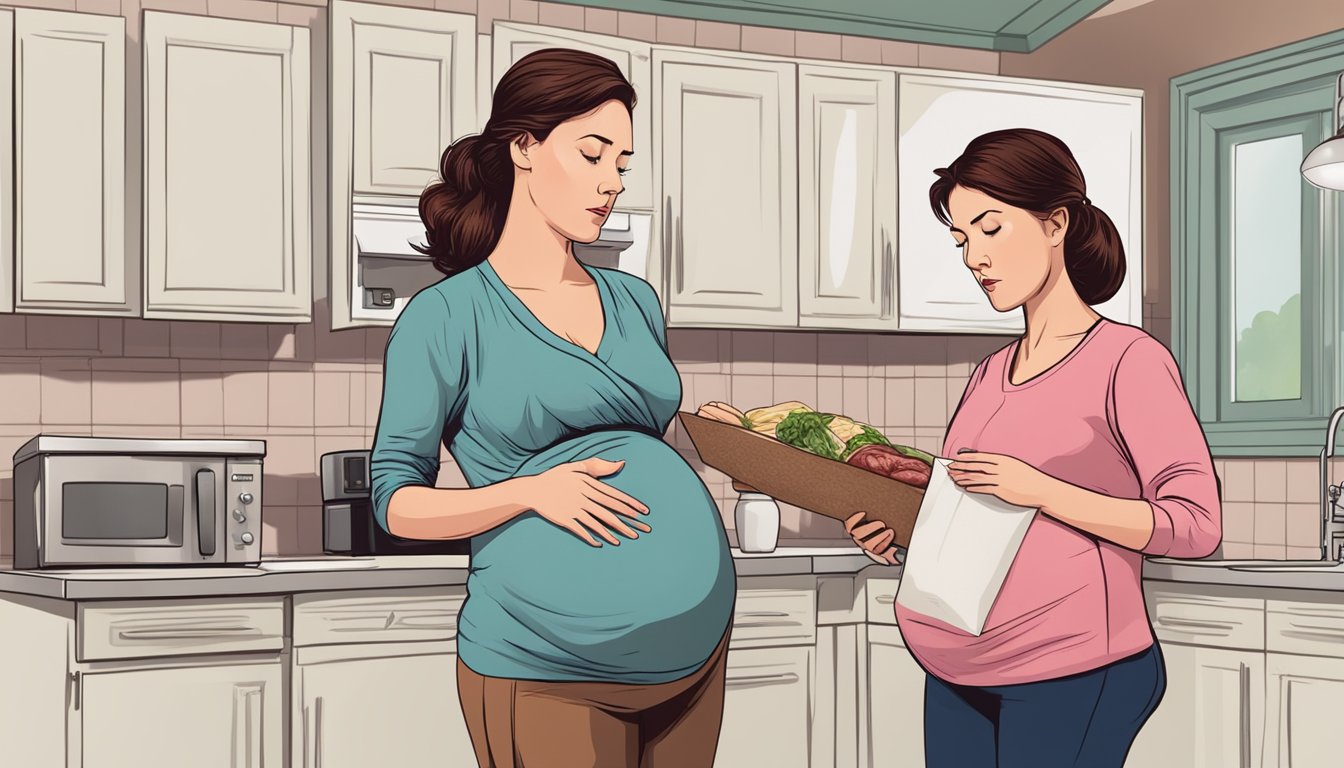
<point x="468" y="365"/>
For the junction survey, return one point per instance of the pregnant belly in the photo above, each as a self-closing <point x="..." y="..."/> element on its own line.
<point x="661" y="601"/>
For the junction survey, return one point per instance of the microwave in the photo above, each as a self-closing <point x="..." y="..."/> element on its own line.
<point x="348" y="525"/>
<point x="112" y="501"/>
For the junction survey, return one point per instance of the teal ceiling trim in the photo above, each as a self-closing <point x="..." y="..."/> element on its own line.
<point x="1014" y="26"/>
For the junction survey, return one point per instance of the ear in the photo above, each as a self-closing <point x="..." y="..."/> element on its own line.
<point x="520" y="150"/>
<point x="1056" y="226"/>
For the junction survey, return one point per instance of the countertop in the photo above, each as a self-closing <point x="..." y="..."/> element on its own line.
<point x="1263" y="574"/>
<point x="289" y="575"/>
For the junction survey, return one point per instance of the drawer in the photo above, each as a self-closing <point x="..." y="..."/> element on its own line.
<point x="137" y="629"/>
<point x="1305" y="627"/>
<point x="1209" y="616"/>
<point x="377" y="616"/>
<point x="881" y="599"/>
<point x="775" y="613"/>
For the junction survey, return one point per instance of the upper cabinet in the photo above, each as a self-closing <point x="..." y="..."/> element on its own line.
<point x="727" y="143"/>
<point x="403" y="88"/>
<point x="514" y="41"/>
<point x="403" y="82"/>
<point x="227" y="209"/>
<point x="6" y="160"/>
<point x="69" y="110"/>
<point x="846" y="198"/>
<point x="939" y="115"/>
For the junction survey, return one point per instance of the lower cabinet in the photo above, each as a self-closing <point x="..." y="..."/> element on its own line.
<point x="767" y="714"/>
<point x="895" y="702"/>
<point x="226" y="715"/>
<point x="1302" y="703"/>
<point x="378" y="704"/>
<point x="1211" y="713"/>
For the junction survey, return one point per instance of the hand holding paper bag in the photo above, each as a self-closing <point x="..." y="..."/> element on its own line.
<point x="961" y="549"/>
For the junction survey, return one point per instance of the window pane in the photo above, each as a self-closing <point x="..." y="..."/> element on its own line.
<point x="1267" y="269"/>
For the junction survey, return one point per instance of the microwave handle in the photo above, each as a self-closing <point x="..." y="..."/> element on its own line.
<point x="206" y="513"/>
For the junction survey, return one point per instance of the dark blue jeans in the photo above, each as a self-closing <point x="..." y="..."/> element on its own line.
<point x="1087" y="720"/>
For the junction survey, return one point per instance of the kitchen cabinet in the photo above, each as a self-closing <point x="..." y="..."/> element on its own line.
<point x="380" y="662"/>
<point x="405" y="693"/>
<point x="1212" y="713"/>
<point x="767" y="708"/>
<point x="894" y="701"/>
<point x="69" y="124"/>
<point x="217" y="716"/>
<point x="514" y="41"/>
<point x="403" y="88"/>
<point x="6" y="160"/>
<point x="726" y="138"/>
<point x="1304" y="680"/>
<point x="846" y="198"/>
<point x="403" y="83"/>
<point x="939" y="115"/>
<point x="227" y="184"/>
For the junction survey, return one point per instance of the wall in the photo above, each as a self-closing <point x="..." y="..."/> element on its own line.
<point x="1270" y="508"/>
<point x="307" y="390"/>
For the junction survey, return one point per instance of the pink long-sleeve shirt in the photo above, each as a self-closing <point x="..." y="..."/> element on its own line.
<point x="1111" y="417"/>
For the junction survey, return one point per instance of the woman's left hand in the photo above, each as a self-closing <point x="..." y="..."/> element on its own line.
<point x="1005" y="477"/>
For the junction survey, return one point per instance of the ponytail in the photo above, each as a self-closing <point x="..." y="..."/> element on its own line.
<point x="1093" y="253"/>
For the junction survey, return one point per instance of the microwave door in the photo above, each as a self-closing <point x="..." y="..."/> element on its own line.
<point x="129" y="509"/>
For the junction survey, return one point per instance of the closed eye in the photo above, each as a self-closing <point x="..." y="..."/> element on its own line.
<point x="990" y="232"/>
<point x="592" y="160"/>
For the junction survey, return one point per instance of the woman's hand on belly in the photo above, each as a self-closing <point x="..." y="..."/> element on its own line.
<point x="570" y="496"/>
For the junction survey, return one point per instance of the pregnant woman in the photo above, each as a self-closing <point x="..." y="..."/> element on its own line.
<point x="601" y="584"/>
<point x="1085" y="419"/>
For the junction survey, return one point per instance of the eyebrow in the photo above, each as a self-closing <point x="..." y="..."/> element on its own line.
<point x="973" y="221"/>
<point x="606" y="141"/>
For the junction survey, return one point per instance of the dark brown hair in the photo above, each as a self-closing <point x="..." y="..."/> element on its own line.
<point x="1035" y="171"/>
<point x="464" y="213"/>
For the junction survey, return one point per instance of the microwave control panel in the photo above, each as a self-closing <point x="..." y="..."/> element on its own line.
<point x="242" y="500"/>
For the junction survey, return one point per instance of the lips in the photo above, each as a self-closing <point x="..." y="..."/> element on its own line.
<point x="988" y="283"/>
<point x="599" y="211"/>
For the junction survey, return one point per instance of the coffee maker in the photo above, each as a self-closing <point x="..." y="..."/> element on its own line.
<point x="348" y="527"/>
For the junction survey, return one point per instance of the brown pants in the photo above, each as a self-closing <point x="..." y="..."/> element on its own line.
<point x="538" y="724"/>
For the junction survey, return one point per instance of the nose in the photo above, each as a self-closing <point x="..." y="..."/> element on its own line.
<point x="611" y="184"/>
<point x="975" y="260"/>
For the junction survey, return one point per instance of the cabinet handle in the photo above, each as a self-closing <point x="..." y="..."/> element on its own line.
<point x="247" y="725"/>
<point x="1194" y="625"/>
<point x="888" y="275"/>
<point x="681" y="258"/>
<point x="1315" y="633"/>
<point x="755" y="680"/>
<point x="184" y="633"/>
<point x="317" y="732"/>
<point x="885" y="599"/>
<point x="435" y="620"/>
<point x="77" y="684"/>
<point x="1245" y="734"/>
<point x="774" y="614"/>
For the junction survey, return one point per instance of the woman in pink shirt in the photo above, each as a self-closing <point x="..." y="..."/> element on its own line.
<point x="1085" y="419"/>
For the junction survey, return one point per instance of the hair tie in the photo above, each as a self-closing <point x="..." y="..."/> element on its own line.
<point x="1086" y="201"/>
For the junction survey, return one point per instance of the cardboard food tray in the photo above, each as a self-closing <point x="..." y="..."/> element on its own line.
<point x="794" y="476"/>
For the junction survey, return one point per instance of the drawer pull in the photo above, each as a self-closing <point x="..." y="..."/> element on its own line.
<point x="755" y="680"/>
<point x="1315" y="633"/>
<point x="440" y="620"/>
<point x="186" y="633"/>
<point x="885" y="599"/>
<point x="1196" y="626"/>
<point x="774" y="614"/>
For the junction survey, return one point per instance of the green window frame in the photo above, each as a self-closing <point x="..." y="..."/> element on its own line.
<point x="1283" y="92"/>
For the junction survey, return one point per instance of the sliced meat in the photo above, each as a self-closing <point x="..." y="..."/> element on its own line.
<point x="885" y="460"/>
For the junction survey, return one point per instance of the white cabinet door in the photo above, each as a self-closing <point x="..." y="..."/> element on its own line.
<point x="1303" y="695"/>
<point x="728" y="154"/>
<point x="227" y="716"/>
<point x="227" y="223"/>
<point x="767" y="717"/>
<point x="939" y="116"/>
<point x="895" y="702"/>
<point x="6" y="160"/>
<point x="404" y="86"/>
<point x="1211" y="715"/>
<point x="70" y="177"/>
<point x="514" y="41"/>
<point x="846" y="198"/>
<point x="405" y="693"/>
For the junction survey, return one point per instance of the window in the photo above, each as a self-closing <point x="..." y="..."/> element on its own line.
<point x="1256" y="250"/>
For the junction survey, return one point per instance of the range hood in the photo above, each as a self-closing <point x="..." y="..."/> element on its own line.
<point x="389" y="271"/>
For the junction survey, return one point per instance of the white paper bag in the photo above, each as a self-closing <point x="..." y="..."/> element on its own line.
<point x="960" y="550"/>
